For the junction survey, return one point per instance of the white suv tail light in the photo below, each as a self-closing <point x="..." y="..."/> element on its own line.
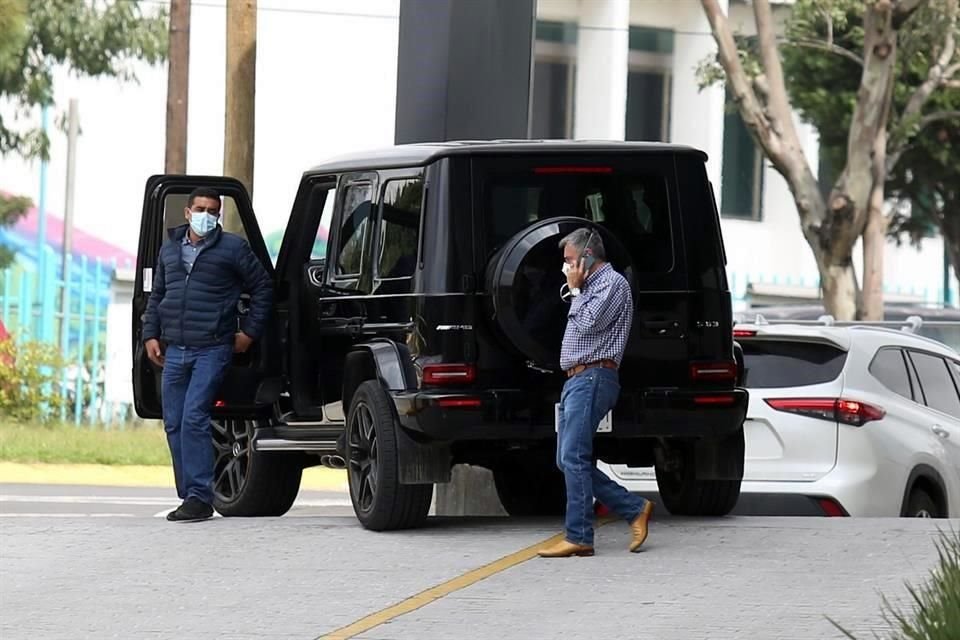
<point x="852" y="412"/>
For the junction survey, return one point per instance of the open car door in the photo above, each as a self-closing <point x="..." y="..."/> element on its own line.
<point x="253" y="382"/>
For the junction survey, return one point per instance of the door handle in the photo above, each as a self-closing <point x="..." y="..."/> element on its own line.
<point x="940" y="431"/>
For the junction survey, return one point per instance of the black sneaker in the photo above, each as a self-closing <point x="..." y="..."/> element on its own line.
<point x="190" y="511"/>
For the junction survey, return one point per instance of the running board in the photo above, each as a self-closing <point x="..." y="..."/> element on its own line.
<point x="282" y="444"/>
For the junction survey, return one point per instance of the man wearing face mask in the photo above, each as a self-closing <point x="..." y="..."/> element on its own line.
<point x="598" y="325"/>
<point x="200" y="275"/>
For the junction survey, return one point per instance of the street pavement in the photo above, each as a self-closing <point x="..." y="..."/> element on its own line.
<point x="98" y="562"/>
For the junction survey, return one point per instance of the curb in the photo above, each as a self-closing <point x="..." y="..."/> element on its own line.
<point x="314" y="478"/>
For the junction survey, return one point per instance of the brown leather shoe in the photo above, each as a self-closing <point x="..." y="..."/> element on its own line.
<point x="565" y="549"/>
<point x="639" y="527"/>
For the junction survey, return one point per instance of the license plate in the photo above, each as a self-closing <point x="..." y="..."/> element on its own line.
<point x="605" y="426"/>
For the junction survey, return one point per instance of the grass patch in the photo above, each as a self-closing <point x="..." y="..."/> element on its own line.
<point x="68" y="444"/>
<point x="934" y="611"/>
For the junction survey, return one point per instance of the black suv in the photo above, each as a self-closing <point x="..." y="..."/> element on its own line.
<point x="423" y="330"/>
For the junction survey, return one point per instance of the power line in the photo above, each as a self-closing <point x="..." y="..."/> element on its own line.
<point x="382" y="16"/>
<point x="215" y="5"/>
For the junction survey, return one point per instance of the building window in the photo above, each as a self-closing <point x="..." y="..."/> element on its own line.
<point x="741" y="189"/>
<point x="554" y="54"/>
<point x="648" y="84"/>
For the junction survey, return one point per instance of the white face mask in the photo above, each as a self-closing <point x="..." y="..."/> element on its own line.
<point x="202" y="222"/>
<point x="566" y="268"/>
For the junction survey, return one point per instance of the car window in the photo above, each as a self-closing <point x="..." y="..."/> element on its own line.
<point x="633" y="205"/>
<point x="890" y="369"/>
<point x="354" y="228"/>
<point x="778" y="364"/>
<point x="399" y="228"/>
<point x="936" y="382"/>
<point x="319" y="249"/>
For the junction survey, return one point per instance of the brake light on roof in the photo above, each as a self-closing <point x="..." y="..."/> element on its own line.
<point x="852" y="412"/>
<point x="725" y="371"/>
<point x="449" y="374"/>
<point x="541" y="171"/>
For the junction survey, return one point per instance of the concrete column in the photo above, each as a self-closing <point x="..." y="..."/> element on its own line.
<point x="696" y="117"/>
<point x="600" y="98"/>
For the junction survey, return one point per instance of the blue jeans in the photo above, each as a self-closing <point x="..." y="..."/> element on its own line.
<point x="585" y="400"/>
<point x="191" y="378"/>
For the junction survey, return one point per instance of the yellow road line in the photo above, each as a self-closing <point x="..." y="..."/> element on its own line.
<point x="444" y="589"/>
<point x="435" y="593"/>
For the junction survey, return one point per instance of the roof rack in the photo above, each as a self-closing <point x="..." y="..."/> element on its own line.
<point x="911" y="325"/>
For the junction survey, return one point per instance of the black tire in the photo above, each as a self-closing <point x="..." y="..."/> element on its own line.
<point x="532" y="489"/>
<point x="248" y="482"/>
<point x="922" y="505"/>
<point x="685" y="495"/>
<point x="380" y="501"/>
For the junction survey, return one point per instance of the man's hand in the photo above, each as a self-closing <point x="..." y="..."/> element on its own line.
<point x="241" y="342"/>
<point x="577" y="275"/>
<point x="154" y="352"/>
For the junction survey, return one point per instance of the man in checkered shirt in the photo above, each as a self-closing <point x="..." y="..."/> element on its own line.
<point x="598" y="325"/>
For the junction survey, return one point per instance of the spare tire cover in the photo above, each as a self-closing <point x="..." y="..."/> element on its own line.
<point x="524" y="279"/>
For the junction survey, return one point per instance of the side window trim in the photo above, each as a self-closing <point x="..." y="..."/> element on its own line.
<point x="916" y="376"/>
<point x="911" y="376"/>
<point x="903" y="363"/>
<point x="346" y="182"/>
<point x="951" y="371"/>
<point x="377" y="240"/>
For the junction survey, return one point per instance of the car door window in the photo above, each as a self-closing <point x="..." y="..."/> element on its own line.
<point x="354" y="229"/>
<point x="890" y="369"/>
<point x="399" y="229"/>
<point x="936" y="382"/>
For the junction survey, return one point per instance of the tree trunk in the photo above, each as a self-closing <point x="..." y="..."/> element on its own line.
<point x="950" y="230"/>
<point x="839" y="284"/>
<point x="874" y="247"/>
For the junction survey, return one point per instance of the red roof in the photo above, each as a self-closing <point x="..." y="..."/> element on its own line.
<point x="84" y="244"/>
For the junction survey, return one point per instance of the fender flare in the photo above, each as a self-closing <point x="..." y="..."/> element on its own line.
<point x="926" y="472"/>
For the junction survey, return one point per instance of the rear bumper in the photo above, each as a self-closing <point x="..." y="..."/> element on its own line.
<point x="513" y="414"/>
<point x="857" y="489"/>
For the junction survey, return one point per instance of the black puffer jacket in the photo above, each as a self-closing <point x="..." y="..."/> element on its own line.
<point x="200" y="309"/>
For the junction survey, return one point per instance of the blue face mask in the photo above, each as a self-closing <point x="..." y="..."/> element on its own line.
<point x="202" y="222"/>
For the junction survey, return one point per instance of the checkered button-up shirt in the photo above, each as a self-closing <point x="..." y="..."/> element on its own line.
<point x="598" y="323"/>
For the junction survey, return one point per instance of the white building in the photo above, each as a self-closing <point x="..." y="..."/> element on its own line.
<point x="326" y="73"/>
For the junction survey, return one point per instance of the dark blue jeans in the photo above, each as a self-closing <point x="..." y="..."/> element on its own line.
<point x="585" y="399"/>
<point x="191" y="377"/>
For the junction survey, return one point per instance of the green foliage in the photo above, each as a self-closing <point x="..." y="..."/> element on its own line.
<point x="91" y="38"/>
<point x="823" y="89"/>
<point x="29" y="381"/>
<point x="935" y="610"/>
<point x="12" y="208"/>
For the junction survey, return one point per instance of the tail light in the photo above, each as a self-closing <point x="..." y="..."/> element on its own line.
<point x="852" y="412"/>
<point x="714" y="401"/>
<point x="725" y="371"/>
<point x="831" y="508"/>
<point x="449" y="374"/>
<point x="744" y="333"/>
<point x="459" y="403"/>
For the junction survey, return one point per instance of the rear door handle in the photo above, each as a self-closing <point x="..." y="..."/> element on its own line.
<point x="940" y="431"/>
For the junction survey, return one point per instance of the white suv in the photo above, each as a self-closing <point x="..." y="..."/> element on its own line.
<point x="860" y="421"/>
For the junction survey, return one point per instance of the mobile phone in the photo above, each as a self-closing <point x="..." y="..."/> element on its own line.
<point x="587" y="260"/>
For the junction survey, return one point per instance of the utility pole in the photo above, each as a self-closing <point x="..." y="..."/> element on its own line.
<point x="178" y="86"/>
<point x="73" y="129"/>
<point x="240" y="93"/>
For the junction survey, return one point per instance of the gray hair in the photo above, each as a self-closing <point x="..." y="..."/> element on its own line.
<point x="581" y="237"/>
